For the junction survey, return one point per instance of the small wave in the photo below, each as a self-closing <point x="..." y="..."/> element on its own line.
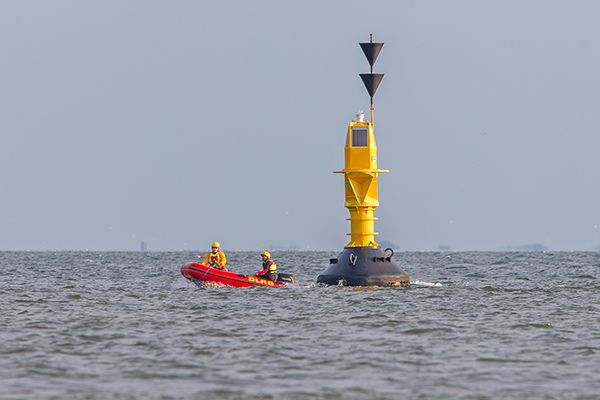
<point x="544" y="325"/>
<point x="505" y="360"/>
<point x="583" y="276"/>
<point x="421" y="331"/>
<point x="489" y="288"/>
<point x="423" y="283"/>
<point x="180" y="283"/>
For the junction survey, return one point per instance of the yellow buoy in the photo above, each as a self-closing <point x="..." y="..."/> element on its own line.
<point x="360" y="176"/>
<point x="363" y="262"/>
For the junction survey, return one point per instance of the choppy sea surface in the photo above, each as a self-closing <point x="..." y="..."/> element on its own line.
<point x="126" y="325"/>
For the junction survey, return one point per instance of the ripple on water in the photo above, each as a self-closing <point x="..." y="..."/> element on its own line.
<point x="85" y="325"/>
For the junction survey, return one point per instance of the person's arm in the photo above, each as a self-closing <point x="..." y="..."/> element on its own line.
<point x="206" y="259"/>
<point x="223" y="260"/>
<point x="262" y="271"/>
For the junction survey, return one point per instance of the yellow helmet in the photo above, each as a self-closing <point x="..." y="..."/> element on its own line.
<point x="266" y="253"/>
<point x="216" y="244"/>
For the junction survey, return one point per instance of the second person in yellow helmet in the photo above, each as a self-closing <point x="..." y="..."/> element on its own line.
<point x="215" y="258"/>
<point x="269" y="266"/>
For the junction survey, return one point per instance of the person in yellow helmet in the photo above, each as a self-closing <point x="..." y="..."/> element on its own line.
<point x="269" y="266"/>
<point x="215" y="258"/>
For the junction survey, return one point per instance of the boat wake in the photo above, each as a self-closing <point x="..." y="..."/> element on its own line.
<point x="209" y="284"/>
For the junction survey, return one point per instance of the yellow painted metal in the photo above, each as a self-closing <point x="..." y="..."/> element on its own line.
<point x="360" y="175"/>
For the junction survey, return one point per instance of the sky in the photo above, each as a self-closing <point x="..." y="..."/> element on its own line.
<point x="183" y="122"/>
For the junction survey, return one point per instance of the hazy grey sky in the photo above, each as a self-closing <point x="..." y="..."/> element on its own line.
<point x="184" y="122"/>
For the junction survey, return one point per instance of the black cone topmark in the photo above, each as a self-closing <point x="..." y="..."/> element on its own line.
<point x="371" y="51"/>
<point x="371" y="82"/>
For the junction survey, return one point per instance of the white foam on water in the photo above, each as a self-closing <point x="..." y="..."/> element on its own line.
<point x="423" y="283"/>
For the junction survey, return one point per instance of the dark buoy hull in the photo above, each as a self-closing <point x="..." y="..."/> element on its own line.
<point x="364" y="266"/>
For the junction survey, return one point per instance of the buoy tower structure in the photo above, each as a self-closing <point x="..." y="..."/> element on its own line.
<point x="363" y="262"/>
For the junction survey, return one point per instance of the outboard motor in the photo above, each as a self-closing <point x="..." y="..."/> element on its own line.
<point x="285" y="278"/>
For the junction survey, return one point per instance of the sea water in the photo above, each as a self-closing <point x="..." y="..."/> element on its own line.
<point x="126" y="325"/>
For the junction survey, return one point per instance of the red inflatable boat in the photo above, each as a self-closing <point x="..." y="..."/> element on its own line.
<point x="199" y="274"/>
